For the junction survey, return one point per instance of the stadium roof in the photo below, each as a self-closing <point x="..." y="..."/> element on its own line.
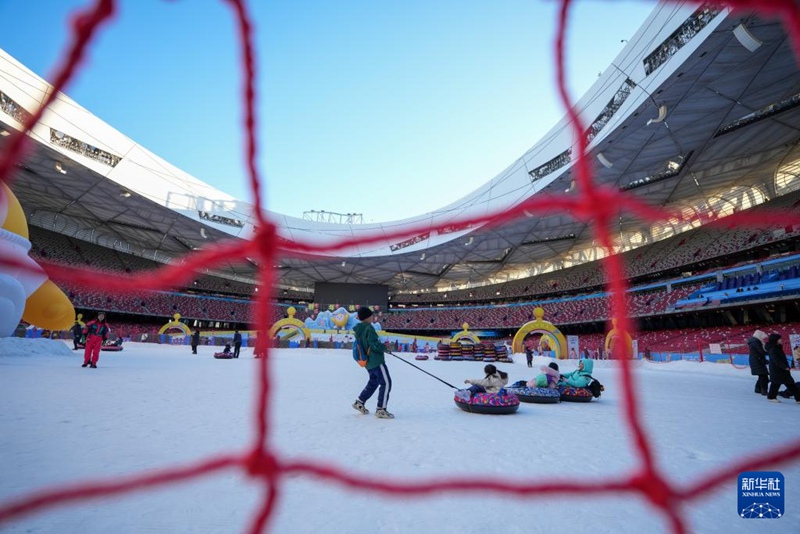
<point x="700" y="110"/>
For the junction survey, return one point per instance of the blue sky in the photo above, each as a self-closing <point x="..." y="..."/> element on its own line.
<point x="390" y="109"/>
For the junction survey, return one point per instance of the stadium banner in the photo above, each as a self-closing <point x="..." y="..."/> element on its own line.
<point x="573" y="347"/>
<point x="794" y="341"/>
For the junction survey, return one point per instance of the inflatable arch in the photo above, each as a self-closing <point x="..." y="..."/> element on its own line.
<point x="465" y="334"/>
<point x="176" y="323"/>
<point x="291" y="322"/>
<point x="613" y="339"/>
<point x="539" y="326"/>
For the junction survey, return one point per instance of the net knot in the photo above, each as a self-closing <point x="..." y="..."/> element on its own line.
<point x="266" y="239"/>
<point x="261" y="464"/>
<point x="656" y="489"/>
<point x="598" y="205"/>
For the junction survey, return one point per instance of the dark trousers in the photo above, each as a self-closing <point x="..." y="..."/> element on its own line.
<point x="762" y="384"/>
<point x="529" y="357"/>
<point x="194" y="349"/>
<point x="475" y="389"/>
<point x="378" y="377"/>
<point x="785" y="378"/>
<point x="75" y="341"/>
<point x="236" y="348"/>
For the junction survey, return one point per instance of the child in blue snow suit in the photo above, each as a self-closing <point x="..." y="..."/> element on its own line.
<point x="580" y="377"/>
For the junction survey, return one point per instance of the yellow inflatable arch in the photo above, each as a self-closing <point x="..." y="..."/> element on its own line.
<point x="175" y="323"/>
<point x="539" y="326"/>
<point x="613" y="339"/>
<point x="465" y="334"/>
<point x="291" y="322"/>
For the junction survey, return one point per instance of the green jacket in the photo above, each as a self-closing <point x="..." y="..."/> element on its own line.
<point x="368" y="337"/>
<point x="578" y="378"/>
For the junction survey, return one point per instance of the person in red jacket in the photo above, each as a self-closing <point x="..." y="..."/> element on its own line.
<point x="96" y="332"/>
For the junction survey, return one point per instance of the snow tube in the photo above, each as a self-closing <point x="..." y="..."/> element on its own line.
<point x="223" y="355"/>
<point x="572" y="394"/>
<point x="489" y="403"/>
<point x="421" y="357"/>
<point x="536" y="395"/>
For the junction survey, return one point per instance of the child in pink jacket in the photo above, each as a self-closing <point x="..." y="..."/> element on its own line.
<point x="548" y="379"/>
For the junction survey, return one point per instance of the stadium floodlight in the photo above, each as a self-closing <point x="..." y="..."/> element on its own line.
<point x="4" y="132"/>
<point x="746" y="38"/>
<point x="604" y="160"/>
<point x="662" y="114"/>
<point x="60" y="168"/>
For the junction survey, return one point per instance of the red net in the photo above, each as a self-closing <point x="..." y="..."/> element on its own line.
<point x="594" y="204"/>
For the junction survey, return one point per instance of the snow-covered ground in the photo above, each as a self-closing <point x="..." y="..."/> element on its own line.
<point x="153" y="406"/>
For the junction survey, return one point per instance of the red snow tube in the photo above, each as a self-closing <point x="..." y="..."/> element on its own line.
<point x="421" y="357"/>
<point x="571" y="394"/>
<point x="223" y="355"/>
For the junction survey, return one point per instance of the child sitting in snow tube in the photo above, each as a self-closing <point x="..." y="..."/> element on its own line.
<point x="487" y="395"/>
<point x="574" y="386"/>
<point x="542" y="389"/>
<point x="226" y="353"/>
<point x="113" y="346"/>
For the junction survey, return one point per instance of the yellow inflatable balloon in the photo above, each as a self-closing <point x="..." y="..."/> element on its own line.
<point x="26" y="293"/>
<point x="340" y="318"/>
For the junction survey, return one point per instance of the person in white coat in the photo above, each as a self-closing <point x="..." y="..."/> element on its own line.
<point x="492" y="383"/>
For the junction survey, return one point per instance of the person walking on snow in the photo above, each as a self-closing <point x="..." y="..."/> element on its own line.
<point x="77" y="333"/>
<point x="96" y="332"/>
<point x="758" y="360"/>
<point x="195" y="340"/>
<point x="376" y="366"/>
<point x="237" y="343"/>
<point x="779" y="372"/>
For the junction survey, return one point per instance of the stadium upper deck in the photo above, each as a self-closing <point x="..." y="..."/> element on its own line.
<point x="698" y="112"/>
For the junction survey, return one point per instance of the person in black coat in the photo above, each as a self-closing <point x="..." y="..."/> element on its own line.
<point x="237" y="343"/>
<point x="77" y="334"/>
<point x="195" y="340"/>
<point x="758" y="361"/>
<point x="779" y="370"/>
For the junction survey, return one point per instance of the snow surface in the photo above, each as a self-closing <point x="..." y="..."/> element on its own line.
<point x="152" y="406"/>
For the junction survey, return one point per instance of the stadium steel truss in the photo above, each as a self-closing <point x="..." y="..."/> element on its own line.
<point x="700" y="112"/>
